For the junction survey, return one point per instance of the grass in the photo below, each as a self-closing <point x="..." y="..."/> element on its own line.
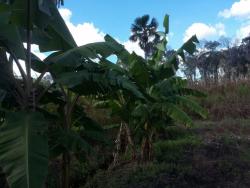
<point x="213" y="153"/>
<point x="189" y="160"/>
<point x="230" y="100"/>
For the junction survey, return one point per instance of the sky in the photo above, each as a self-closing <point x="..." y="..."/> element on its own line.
<point x="90" y="20"/>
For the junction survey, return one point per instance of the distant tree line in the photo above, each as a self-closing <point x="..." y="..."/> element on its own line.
<point x="219" y="61"/>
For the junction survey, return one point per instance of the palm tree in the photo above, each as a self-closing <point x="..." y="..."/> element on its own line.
<point x="146" y="34"/>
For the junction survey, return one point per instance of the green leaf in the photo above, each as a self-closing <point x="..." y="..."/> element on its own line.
<point x="72" y="141"/>
<point x="161" y="46"/>
<point x="87" y="82"/>
<point x="191" y="105"/>
<point x="115" y="44"/>
<point x="75" y="57"/>
<point x="49" y="30"/>
<point x="167" y="69"/>
<point x="166" y="23"/>
<point x="2" y="95"/>
<point x="59" y="28"/>
<point x="139" y="70"/>
<point x="10" y="39"/>
<point x="190" y="45"/>
<point x="4" y="13"/>
<point x="120" y="52"/>
<point x="37" y="64"/>
<point x="177" y="114"/>
<point x="24" y="149"/>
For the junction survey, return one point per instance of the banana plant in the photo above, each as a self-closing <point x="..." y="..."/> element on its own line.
<point x="26" y="123"/>
<point x="23" y="128"/>
<point x="120" y="104"/>
<point x="166" y="95"/>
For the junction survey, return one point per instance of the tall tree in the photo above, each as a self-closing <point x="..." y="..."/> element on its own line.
<point x="145" y="33"/>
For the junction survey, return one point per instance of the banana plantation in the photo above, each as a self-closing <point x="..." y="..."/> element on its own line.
<point x="50" y="137"/>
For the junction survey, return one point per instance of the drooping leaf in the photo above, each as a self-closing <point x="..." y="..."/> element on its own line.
<point x="177" y="114"/>
<point x="37" y="64"/>
<point x="75" y="57"/>
<point x="24" y="149"/>
<point x="49" y="30"/>
<point x="191" y="105"/>
<point x="86" y="82"/>
<point x="11" y="40"/>
<point x="190" y="45"/>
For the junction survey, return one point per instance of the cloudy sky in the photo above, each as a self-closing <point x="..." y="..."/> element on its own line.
<point x="90" y="20"/>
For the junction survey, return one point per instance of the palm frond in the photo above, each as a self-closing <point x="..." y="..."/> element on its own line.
<point x="133" y="38"/>
<point x="144" y="20"/>
<point x="136" y="28"/>
<point x="153" y="23"/>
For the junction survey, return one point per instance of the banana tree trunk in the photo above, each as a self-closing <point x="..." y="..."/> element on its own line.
<point x="119" y="145"/>
<point x="66" y="156"/>
<point x="123" y="141"/>
<point x="146" y="147"/>
<point x="146" y="150"/>
<point x="130" y="141"/>
<point x="68" y="110"/>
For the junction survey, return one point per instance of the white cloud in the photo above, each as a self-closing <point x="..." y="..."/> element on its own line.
<point x="239" y="9"/>
<point x="243" y="32"/>
<point x="66" y="14"/>
<point x="83" y="33"/>
<point x="36" y="51"/>
<point x="204" y="31"/>
<point x="133" y="46"/>
<point x="220" y="28"/>
<point x="87" y="32"/>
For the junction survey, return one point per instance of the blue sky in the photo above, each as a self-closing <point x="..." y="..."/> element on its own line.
<point x="91" y="19"/>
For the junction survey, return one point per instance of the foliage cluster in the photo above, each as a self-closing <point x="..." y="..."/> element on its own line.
<point x="45" y="124"/>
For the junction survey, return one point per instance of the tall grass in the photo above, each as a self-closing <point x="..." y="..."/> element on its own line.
<point x="228" y="100"/>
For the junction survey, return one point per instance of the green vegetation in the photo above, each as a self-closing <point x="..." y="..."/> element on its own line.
<point x="148" y="133"/>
